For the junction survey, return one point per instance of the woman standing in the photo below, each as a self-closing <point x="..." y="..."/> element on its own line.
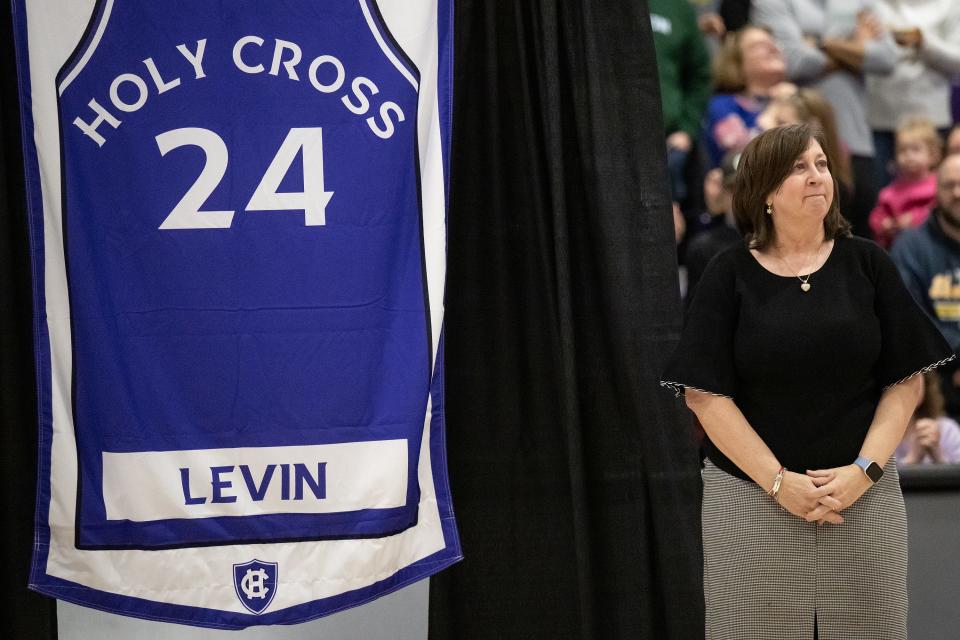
<point x="799" y="356"/>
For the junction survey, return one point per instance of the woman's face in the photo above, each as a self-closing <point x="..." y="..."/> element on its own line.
<point x="761" y="58"/>
<point x="807" y="192"/>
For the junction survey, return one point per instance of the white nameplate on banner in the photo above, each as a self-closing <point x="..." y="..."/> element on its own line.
<point x="205" y="483"/>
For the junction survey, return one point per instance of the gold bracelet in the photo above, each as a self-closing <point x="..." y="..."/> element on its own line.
<point x="776" y="483"/>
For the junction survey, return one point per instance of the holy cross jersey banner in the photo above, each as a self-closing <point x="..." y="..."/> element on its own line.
<point x="238" y="231"/>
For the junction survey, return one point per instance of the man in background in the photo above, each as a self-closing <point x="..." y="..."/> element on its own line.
<point x="928" y="258"/>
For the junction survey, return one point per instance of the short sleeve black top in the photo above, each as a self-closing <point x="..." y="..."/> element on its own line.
<point x="806" y="368"/>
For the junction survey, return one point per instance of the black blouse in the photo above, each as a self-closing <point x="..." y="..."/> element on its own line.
<point x="806" y="368"/>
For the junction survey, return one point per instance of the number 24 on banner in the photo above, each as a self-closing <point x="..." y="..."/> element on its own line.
<point x="312" y="200"/>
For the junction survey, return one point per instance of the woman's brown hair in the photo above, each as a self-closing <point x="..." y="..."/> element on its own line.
<point x="765" y="163"/>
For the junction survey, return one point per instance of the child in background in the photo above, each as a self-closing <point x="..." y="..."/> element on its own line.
<point x="906" y="202"/>
<point x="718" y="229"/>
<point x="931" y="436"/>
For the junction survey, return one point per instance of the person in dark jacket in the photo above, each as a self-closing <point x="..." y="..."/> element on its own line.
<point x="683" y="67"/>
<point x="928" y="258"/>
<point x="718" y="228"/>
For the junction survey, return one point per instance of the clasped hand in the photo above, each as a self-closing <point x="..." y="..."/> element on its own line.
<point x="820" y="495"/>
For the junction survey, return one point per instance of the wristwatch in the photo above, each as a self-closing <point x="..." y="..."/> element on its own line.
<point x="871" y="468"/>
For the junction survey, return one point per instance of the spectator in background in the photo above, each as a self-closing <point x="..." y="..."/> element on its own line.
<point x="683" y="67"/>
<point x="955" y="98"/>
<point x="927" y="33"/>
<point x="928" y="258"/>
<point x="829" y="45"/>
<point x="719" y="230"/>
<point x="905" y="203"/>
<point x="953" y="140"/>
<point x="747" y="71"/>
<point x="718" y="17"/>
<point x="710" y="23"/>
<point x="931" y="436"/>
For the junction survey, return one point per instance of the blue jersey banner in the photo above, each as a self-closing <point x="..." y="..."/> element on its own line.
<point x="238" y="230"/>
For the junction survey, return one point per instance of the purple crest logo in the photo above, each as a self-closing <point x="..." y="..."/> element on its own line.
<point x="255" y="583"/>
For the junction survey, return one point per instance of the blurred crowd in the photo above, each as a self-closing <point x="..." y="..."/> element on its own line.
<point x="881" y="78"/>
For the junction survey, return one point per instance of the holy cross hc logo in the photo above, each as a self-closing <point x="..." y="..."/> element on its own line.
<point x="255" y="583"/>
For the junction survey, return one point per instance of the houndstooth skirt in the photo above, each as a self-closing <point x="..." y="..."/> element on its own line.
<point x="768" y="574"/>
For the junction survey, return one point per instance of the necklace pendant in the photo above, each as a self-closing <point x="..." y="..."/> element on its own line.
<point x="805" y="287"/>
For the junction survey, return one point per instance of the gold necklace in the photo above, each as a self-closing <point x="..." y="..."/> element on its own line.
<point x="804" y="282"/>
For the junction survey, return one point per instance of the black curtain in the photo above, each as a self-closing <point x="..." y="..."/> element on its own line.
<point x="575" y="482"/>
<point x="28" y="615"/>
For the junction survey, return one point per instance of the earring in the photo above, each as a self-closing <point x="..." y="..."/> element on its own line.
<point x="769" y="209"/>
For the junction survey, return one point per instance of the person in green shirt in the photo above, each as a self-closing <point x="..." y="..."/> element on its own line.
<point x="683" y="67"/>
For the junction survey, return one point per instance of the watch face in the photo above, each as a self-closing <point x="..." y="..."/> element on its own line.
<point x="874" y="471"/>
